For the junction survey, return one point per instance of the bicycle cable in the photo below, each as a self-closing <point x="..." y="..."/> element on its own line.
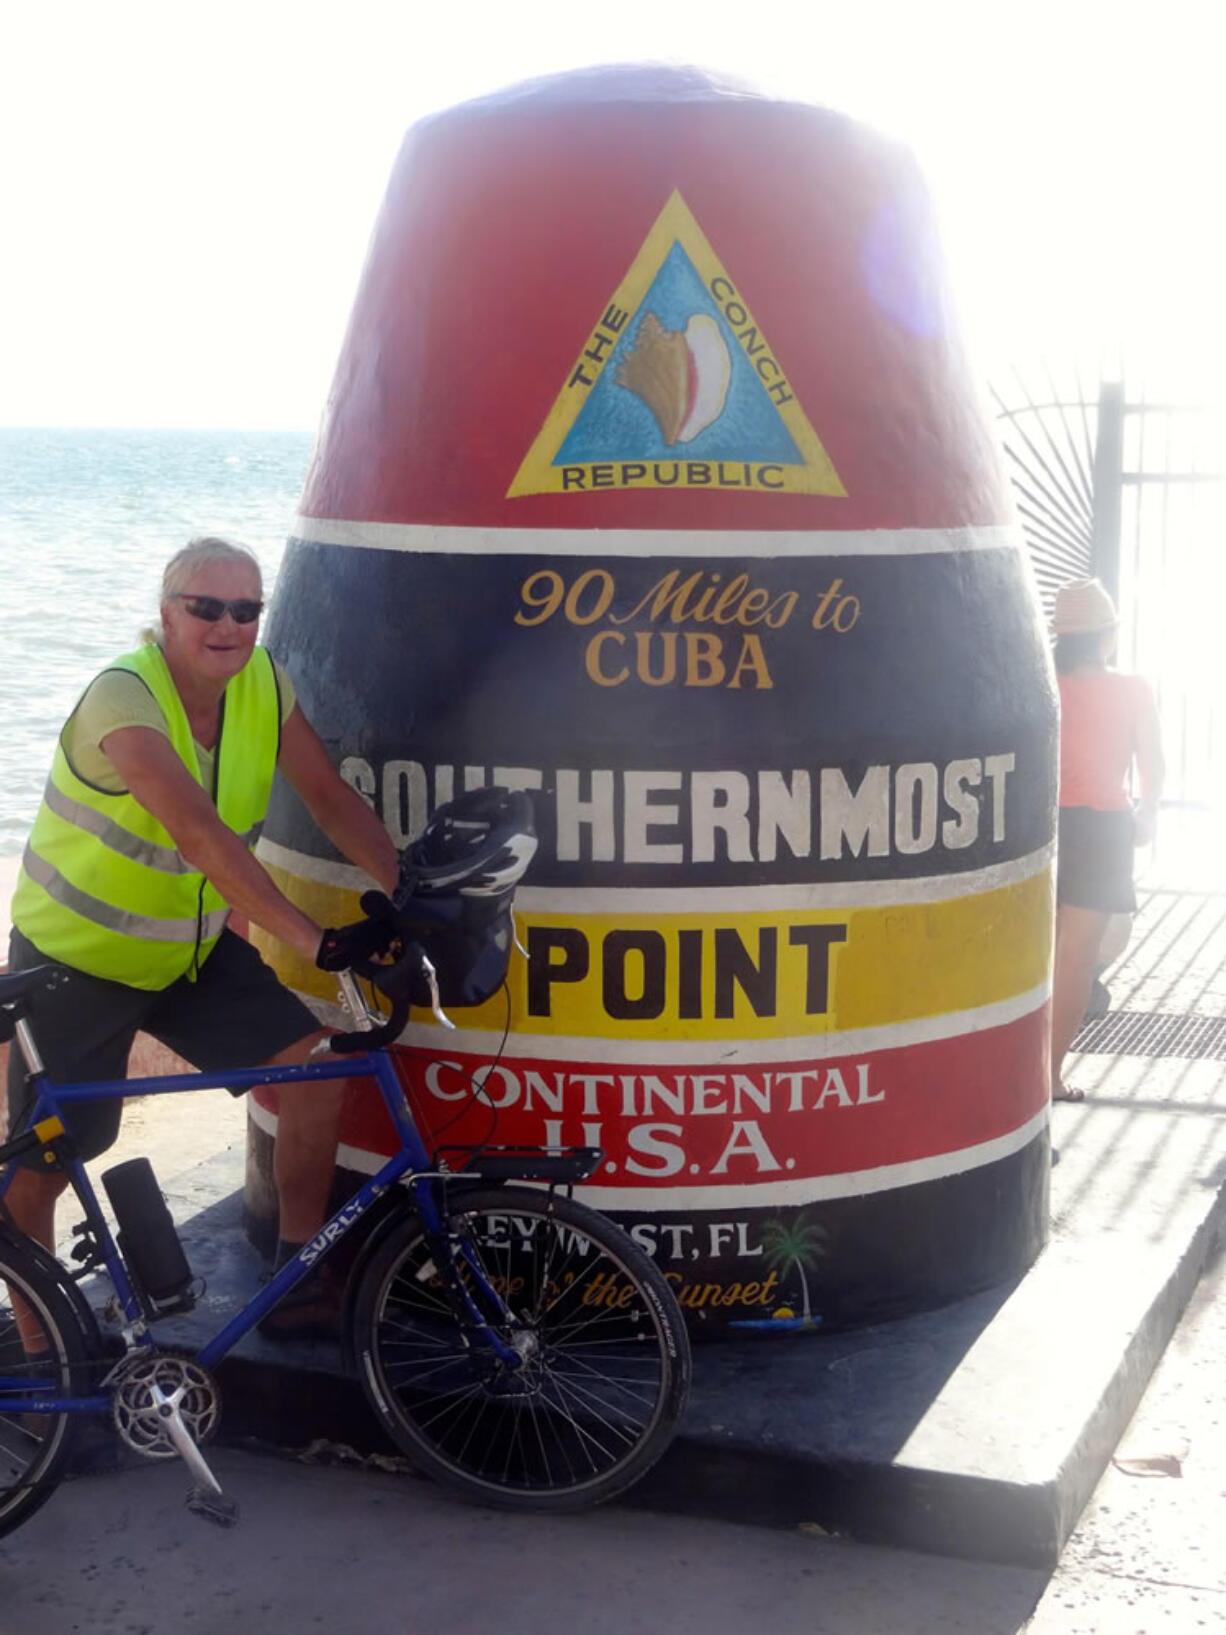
<point x="477" y="1091"/>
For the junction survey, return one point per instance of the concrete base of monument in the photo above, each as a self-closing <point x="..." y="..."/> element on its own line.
<point x="977" y="1430"/>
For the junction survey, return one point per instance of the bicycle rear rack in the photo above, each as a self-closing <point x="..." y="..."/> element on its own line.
<point x="564" y="1166"/>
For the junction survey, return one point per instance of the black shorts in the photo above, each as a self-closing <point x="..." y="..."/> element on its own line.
<point x="1094" y="860"/>
<point x="236" y="1014"/>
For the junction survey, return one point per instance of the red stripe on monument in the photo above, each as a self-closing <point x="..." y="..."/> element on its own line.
<point x="850" y="1113"/>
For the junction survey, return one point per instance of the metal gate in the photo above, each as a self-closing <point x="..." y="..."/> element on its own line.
<point x="1113" y="483"/>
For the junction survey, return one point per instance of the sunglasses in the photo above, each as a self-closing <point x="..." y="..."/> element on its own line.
<point x="211" y="608"/>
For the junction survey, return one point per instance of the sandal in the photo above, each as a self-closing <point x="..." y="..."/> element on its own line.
<point x="1064" y="1092"/>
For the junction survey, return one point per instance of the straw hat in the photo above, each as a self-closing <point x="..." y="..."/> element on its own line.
<point x="1083" y="608"/>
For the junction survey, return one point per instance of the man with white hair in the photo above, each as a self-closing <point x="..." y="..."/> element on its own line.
<point x="141" y="847"/>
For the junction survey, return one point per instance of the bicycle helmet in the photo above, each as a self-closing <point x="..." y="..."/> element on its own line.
<point x="478" y="845"/>
<point x="461" y="874"/>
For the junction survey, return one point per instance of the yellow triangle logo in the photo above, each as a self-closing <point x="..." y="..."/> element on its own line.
<point x="677" y="387"/>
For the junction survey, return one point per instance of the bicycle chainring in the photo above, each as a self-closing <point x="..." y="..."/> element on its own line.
<point x="137" y="1416"/>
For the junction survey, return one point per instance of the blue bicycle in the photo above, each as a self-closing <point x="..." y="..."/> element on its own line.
<point x="514" y="1343"/>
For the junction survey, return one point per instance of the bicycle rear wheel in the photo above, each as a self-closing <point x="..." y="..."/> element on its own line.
<point x="606" y="1358"/>
<point x="48" y="1357"/>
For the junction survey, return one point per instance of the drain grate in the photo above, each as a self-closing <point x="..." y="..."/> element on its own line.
<point x="1153" y="1033"/>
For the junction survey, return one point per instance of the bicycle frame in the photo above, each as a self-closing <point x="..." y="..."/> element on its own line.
<point x="412" y="1160"/>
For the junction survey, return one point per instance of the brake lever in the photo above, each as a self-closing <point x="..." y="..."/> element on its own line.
<point x="355" y="1005"/>
<point x="359" y="1012"/>
<point x="431" y="976"/>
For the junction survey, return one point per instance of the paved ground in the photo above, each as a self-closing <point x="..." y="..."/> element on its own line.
<point x="1147" y="1555"/>
<point x="354" y="1550"/>
<point x="376" y="1555"/>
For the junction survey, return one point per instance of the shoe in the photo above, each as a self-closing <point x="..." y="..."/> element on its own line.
<point x="1099" y="1002"/>
<point x="1067" y="1092"/>
<point x="312" y="1311"/>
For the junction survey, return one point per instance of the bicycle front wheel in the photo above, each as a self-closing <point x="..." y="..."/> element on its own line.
<point x="605" y="1358"/>
<point x="43" y="1352"/>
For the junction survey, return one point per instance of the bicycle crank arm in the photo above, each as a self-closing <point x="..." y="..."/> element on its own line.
<point x="167" y="1404"/>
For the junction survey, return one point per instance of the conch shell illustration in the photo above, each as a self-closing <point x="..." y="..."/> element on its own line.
<point x="682" y="376"/>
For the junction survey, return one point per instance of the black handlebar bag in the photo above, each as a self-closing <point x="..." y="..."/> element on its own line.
<point x="470" y="950"/>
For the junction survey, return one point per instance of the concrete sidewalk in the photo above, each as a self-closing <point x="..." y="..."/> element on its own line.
<point x="326" y="1545"/>
<point x="978" y="1430"/>
<point x="358" y="1552"/>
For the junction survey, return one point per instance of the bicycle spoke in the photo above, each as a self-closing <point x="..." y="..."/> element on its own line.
<point x="616" y="1321"/>
<point x="472" y="1429"/>
<point x="625" y="1387"/>
<point x="405" y="1374"/>
<point x="449" y="1400"/>
<point x="536" y="1426"/>
<point x="587" y="1403"/>
<point x="512" y="1447"/>
<point x="586" y="1439"/>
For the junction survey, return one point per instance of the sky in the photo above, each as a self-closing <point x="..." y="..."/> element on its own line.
<point x="187" y="191"/>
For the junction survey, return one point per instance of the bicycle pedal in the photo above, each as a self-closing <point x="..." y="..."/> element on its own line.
<point x="214" y="1507"/>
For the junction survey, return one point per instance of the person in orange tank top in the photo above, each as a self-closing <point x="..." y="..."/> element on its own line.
<point x="1108" y="724"/>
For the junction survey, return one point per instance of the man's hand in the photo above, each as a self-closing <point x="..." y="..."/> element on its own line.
<point x="354" y="944"/>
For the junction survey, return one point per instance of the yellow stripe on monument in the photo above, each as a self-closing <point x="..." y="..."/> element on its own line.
<point x="762" y="975"/>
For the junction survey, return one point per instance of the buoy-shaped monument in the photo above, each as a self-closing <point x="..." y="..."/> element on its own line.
<point x="654" y="480"/>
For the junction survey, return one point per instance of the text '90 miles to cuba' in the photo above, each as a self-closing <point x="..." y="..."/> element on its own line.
<point x="652" y="640"/>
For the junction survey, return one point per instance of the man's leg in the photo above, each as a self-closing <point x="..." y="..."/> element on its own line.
<point x="303" y="1164"/>
<point x="31" y="1201"/>
<point x="304" y="1157"/>
<point x="238" y="1013"/>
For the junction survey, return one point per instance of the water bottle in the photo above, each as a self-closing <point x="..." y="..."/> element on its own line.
<point x="147" y="1239"/>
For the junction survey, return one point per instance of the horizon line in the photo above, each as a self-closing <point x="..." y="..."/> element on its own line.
<point x="22" y="426"/>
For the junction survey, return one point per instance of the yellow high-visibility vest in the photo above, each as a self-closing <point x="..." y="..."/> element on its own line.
<point x="102" y="885"/>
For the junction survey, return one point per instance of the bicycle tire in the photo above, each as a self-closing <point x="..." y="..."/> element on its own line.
<point x="557" y="1434"/>
<point x="35" y="1448"/>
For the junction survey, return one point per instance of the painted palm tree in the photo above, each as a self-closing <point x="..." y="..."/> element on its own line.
<point x="799" y="1242"/>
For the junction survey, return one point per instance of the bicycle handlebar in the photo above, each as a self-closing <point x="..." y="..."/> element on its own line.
<point x="403" y="981"/>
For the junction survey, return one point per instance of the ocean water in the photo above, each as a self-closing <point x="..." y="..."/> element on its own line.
<point x="88" y="520"/>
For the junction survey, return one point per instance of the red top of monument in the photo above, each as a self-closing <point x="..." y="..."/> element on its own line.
<point x="639" y="298"/>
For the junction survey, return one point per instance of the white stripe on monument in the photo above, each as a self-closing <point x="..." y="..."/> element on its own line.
<point x="733" y="1055"/>
<point x="662" y="899"/>
<point x="425" y="539"/>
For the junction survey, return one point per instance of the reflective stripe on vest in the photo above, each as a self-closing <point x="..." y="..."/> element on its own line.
<point x="118" y="919"/>
<point x="120" y="840"/>
<point x="102" y="886"/>
<point x="111" y="834"/>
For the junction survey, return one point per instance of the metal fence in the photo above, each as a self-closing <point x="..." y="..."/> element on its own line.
<point x="1133" y="489"/>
